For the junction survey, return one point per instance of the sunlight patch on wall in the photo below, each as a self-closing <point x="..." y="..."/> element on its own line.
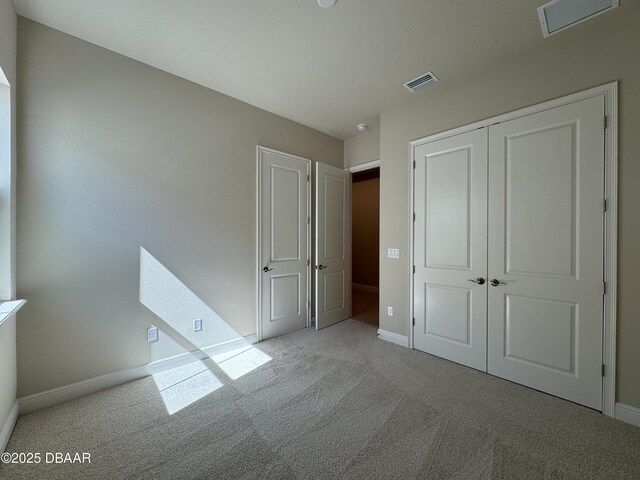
<point x="172" y="301"/>
<point x="203" y="358"/>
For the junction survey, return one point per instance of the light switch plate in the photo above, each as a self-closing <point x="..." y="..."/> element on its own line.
<point x="393" y="253"/>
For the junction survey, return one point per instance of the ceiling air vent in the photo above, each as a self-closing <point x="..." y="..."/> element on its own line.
<point x="421" y="82"/>
<point x="558" y="15"/>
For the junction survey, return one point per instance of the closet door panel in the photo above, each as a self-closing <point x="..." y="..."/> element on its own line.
<point x="545" y="240"/>
<point x="450" y="248"/>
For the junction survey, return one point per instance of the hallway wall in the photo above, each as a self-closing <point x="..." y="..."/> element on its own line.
<point x="366" y="231"/>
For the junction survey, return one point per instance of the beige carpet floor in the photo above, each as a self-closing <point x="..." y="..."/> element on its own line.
<point x="334" y="404"/>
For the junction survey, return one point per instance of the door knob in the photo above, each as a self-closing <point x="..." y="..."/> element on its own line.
<point x="495" y="282"/>
<point x="479" y="280"/>
<point x="320" y="267"/>
<point x="267" y="269"/>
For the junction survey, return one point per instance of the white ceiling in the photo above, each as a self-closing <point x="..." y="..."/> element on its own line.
<point x="328" y="69"/>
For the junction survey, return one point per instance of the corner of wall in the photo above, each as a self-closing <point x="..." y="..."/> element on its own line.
<point x="362" y="148"/>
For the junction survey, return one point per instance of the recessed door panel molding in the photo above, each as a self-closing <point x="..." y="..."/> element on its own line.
<point x="549" y="204"/>
<point x="334" y="288"/>
<point x="335" y="189"/>
<point x="541" y="169"/>
<point x="284" y="235"/>
<point x="450" y="245"/>
<point x="333" y="245"/>
<point x="450" y="313"/>
<point x="285" y="295"/>
<point x="448" y="209"/>
<point x="541" y="332"/>
<point x="285" y="212"/>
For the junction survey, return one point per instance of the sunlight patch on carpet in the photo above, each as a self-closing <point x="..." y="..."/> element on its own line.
<point x="182" y="386"/>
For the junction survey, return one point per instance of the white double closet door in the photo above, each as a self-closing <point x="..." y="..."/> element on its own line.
<point x="508" y="250"/>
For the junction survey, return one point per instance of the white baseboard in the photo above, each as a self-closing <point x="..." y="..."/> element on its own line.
<point x="365" y="288"/>
<point x="7" y="428"/>
<point x="54" y="396"/>
<point x="628" y="414"/>
<point x="252" y="339"/>
<point x="393" y="338"/>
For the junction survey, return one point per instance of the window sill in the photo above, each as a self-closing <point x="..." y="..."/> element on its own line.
<point x="8" y="308"/>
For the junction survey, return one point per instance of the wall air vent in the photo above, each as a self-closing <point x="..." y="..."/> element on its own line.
<point x="421" y="82"/>
<point x="559" y="15"/>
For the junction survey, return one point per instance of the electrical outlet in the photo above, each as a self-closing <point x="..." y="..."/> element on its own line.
<point x="390" y="311"/>
<point x="393" y="253"/>
<point x="197" y="325"/>
<point x="152" y="334"/>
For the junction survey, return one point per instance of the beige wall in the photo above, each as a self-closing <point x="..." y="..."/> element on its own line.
<point x="7" y="224"/>
<point x="115" y="155"/>
<point x="362" y="148"/>
<point x="365" y="221"/>
<point x="597" y="52"/>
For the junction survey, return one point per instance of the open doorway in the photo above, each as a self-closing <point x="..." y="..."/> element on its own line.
<point x="365" y="246"/>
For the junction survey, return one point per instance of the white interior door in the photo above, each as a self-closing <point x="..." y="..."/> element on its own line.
<point x="333" y="245"/>
<point x="284" y="250"/>
<point x="450" y="248"/>
<point x="546" y="219"/>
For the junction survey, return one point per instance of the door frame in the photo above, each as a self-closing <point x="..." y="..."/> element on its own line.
<point x="364" y="166"/>
<point x="610" y="92"/>
<point x="355" y="169"/>
<point x="259" y="260"/>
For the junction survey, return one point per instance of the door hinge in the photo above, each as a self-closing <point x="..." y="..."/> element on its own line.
<point x="604" y="288"/>
<point x="414" y="269"/>
<point x="414" y="322"/>
<point x="308" y="262"/>
<point x="605" y="205"/>
<point x="414" y="217"/>
<point x="308" y="303"/>
<point x="605" y="122"/>
<point x="604" y="370"/>
<point x="308" y="220"/>
<point x="414" y="164"/>
<point x="307" y="177"/>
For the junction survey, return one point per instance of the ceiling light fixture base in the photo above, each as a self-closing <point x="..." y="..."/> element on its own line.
<point x="326" y="3"/>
